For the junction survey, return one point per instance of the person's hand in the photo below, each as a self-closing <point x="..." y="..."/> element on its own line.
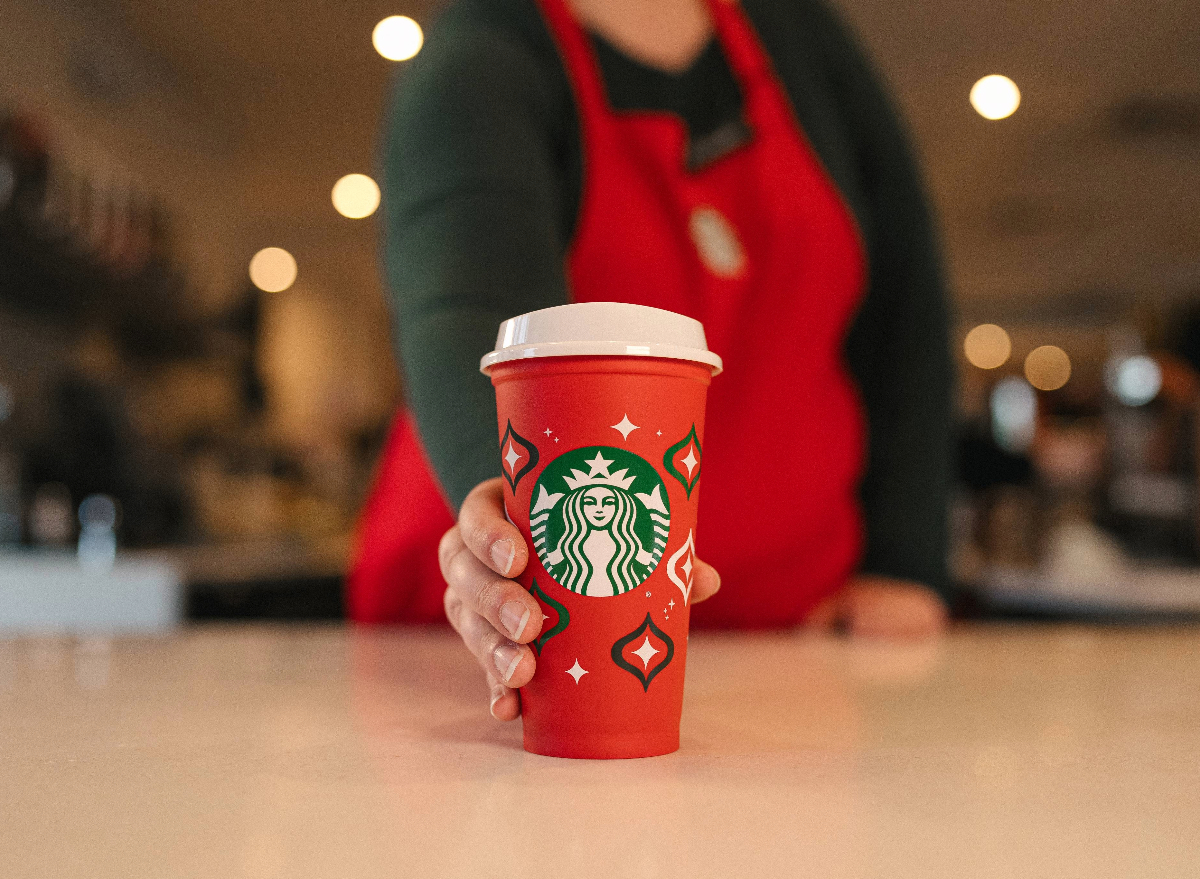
<point x="880" y="607"/>
<point x="497" y="617"/>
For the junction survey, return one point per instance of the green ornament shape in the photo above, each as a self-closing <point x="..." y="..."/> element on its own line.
<point x="669" y="461"/>
<point x="564" y="617"/>
<point x="649" y="672"/>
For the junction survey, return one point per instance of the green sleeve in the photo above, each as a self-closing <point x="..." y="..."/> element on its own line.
<point x="472" y="228"/>
<point x="899" y="347"/>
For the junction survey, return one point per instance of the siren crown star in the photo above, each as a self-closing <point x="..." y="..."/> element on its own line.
<point x="599" y="475"/>
<point x="599" y="465"/>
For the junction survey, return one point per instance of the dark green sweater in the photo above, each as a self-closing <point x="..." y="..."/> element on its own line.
<point x="482" y="176"/>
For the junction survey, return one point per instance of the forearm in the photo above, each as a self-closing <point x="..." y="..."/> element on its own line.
<point x="473" y="234"/>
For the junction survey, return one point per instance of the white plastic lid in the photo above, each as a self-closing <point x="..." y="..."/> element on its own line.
<point x="615" y="329"/>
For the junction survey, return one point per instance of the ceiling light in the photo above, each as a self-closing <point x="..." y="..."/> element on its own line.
<point x="397" y="38"/>
<point x="356" y="196"/>
<point x="273" y="270"/>
<point x="995" y="97"/>
<point x="1048" y="368"/>
<point x="987" y="346"/>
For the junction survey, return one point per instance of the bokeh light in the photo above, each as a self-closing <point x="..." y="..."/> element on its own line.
<point x="397" y="38"/>
<point x="995" y="97"/>
<point x="356" y="196"/>
<point x="1048" y="368"/>
<point x="1014" y="414"/>
<point x="1135" y="381"/>
<point x="987" y="346"/>
<point x="273" y="270"/>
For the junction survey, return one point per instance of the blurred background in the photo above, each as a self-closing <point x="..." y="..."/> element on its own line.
<point x="196" y="371"/>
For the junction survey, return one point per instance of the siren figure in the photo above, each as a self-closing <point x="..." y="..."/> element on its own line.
<point x="599" y="552"/>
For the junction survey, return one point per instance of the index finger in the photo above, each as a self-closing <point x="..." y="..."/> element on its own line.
<point x="488" y="534"/>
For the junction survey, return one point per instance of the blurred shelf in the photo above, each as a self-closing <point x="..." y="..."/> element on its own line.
<point x="275" y="579"/>
<point x="1143" y="592"/>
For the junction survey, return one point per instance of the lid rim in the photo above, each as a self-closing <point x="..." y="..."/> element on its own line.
<point x="601" y="349"/>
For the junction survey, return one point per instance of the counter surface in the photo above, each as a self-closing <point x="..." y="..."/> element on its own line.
<point x="273" y="752"/>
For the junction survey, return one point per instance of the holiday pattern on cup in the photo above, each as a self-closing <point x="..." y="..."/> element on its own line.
<point x="600" y="519"/>
<point x="681" y="564"/>
<point x="551" y="626"/>
<point x="682" y="461"/>
<point x="644" y="652"/>
<point x="518" y="456"/>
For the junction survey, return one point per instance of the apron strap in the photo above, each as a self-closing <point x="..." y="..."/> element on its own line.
<point x="739" y="41"/>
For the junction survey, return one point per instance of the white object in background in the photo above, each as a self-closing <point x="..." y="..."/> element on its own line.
<point x="1080" y="554"/>
<point x="51" y="592"/>
<point x="97" y="533"/>
<point x="1135" y="381"/>
<point x="1086" y="572"/>
<point x="1014" y="414"/>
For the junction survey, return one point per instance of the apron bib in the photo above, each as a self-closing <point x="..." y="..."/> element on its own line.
<point x="759" y="246"/>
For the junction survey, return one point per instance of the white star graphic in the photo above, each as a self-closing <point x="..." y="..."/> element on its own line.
<point x="646" y="652"/>
<point x="690" y="461"/>
<point x="544" y="618"/>
<point x="671" y="603"/>
<point x="512" y="458"/>
<point x="556" y="439"/>
<point x="625" y="426"/>
<point x="577" y="671"/>
<point x="647" y="594"/>
<point x="548" y="431"/>
<point x="687" y="566"/>
<point x="599" y="465"/>
<point x="660" y="433"/>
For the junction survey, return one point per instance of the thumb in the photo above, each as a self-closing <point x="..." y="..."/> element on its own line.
<point x="705" y="583"/>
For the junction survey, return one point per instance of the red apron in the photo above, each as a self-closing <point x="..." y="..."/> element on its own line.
<point x="760" y="247"/>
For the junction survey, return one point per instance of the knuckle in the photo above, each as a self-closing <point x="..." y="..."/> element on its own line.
<point x="478" y="537"/>
<point x="448" y="547"/>
<point x="491" y="596"/>
<point x="475" y="632"/>
<point x="481" y="517"/>
<point x="452" y="604"/>
<point x="489" y="640"/>
<point x="459" y="569"/>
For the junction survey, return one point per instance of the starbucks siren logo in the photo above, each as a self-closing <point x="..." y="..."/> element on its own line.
<point x="600" y="520"/>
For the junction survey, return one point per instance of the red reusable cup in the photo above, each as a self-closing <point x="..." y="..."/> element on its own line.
<point x="601" y="425"/>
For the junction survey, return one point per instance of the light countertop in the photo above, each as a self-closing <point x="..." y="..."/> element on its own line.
<point x="295" y="752"/>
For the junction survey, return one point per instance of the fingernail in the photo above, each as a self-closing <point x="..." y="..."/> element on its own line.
<point x="503" y="553"/>
<point x="507" y="658"/>
<point x="497" y="695"/>
<point x="514" y="615"/>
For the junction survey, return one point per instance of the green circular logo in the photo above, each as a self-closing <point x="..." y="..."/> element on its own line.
<point x="600" y="517"/>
